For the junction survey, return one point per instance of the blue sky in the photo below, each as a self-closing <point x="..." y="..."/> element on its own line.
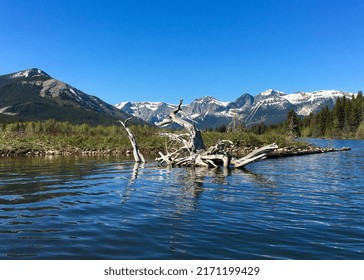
<point x="164" y="50"/>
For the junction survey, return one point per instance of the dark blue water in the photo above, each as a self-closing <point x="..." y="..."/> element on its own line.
<point x="309" y="207"/>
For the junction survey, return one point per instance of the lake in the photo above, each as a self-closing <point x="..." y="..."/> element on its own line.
<point x="307" y="207"/>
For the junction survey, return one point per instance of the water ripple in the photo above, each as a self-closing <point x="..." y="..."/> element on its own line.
<point x="110" y="208"/>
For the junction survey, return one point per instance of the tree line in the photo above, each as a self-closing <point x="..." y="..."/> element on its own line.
<point x="344" y="121"/>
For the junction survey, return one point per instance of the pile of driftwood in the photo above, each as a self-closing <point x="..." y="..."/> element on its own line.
<point x="192" y="151"/>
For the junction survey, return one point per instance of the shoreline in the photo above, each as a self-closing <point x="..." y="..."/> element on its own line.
<point x="278" y="153"/>
<point x="302" y="151"/>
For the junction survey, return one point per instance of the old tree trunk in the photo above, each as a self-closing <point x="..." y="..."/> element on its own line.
<point x="191" y="150"/>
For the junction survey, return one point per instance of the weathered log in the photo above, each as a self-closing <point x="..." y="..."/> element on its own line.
<point x="260" y="153"/>
<point x="138" y="157"/>
<point x="219" y="159"/>
<point x="301" y="151"/>
<point x="195" y="142"/>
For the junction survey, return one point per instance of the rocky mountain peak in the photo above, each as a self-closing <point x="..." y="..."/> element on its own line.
<point x="33" y="94"/>
<point x="270" y="93"/>
<point x="30" y="73"/>
<point x="244" y="100"/>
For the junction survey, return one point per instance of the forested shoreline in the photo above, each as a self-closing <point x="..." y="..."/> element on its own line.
<point x="344" y="121"/>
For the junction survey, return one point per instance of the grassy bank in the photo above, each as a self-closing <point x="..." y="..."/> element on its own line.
<point x="63" y="136"/>
<point x="40" y="137"/>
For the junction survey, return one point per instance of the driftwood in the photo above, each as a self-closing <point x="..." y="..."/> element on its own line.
<point x="193" y="151"/>
<point x="257" y="154"/>
<point x="195" y="141"/>
<point x="138" y="157"/>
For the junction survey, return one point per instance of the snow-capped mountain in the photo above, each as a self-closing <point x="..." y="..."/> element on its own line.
<point x="149" y="111"/>
<point x="32" y="94"/>
<point x="270" y="106"/>
<point x="311" y="102"/>
<point x="34" y="72"/>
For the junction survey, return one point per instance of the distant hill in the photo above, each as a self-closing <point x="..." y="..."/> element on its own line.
<point x="269" y="107"/>
<point x="34" y="95"/>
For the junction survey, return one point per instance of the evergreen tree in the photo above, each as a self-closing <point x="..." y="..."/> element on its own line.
<point x="356" y="114"/>
<point x="293" y="124"/>
<point x="339" y="115"/>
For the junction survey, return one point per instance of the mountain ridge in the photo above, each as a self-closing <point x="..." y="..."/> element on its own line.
<point x="32" y="94"/>
<point x="270" y="106"/>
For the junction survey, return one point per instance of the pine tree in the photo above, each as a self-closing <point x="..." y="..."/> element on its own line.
<point x="293" y="124"/>
<point x="356" y="114"/>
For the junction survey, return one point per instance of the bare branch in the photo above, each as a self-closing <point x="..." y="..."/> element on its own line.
<point x="138" y="157"/>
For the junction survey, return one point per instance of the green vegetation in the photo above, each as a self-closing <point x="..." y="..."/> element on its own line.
<point x="63" y="136"/>
<point x="52" y="135"/>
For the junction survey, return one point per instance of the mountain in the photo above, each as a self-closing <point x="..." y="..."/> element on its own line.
<point x="34" y="95"/>
<point x="269" y="107"/>
<point x="151" y="112"/>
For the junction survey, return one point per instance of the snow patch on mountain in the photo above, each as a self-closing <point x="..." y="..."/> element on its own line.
<point x="3" y="111"/>
<point x="34" y="72"/>
<point x="299" y="97"/>
<point x="211" y="100"/>
<point x="271" y="92"/>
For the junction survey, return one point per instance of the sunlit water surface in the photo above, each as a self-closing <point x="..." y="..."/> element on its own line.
<point x="309" y="207"/>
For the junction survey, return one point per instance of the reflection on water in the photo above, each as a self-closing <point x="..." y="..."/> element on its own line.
<point x="308" y="207"/>
<point x="129" y="187"/>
